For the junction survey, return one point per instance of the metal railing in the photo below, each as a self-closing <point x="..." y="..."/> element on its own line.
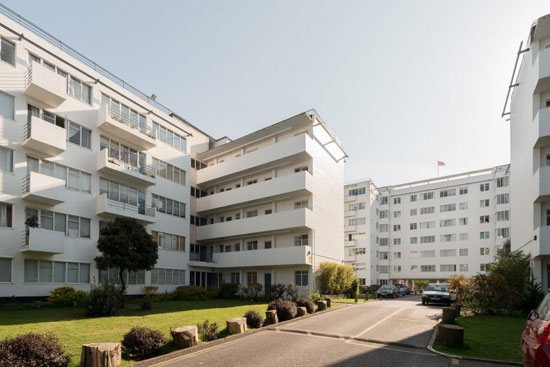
<point x="143" y="169"/>
<point x="204" y="257"/>
<point x="136" y="209"/>
<point x="28" y="75"/>
<point x="27" y="130"/>
<point x="24" y="238"/>
<point x="77" y="55"/>
<point x="27" y="184"/>
<point x="142" y="128"/>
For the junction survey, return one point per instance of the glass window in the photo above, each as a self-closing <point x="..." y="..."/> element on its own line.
<point x="59" y="272"/>
<point x="6" y="159"/>
<point x="74" y="179"/>
<point x="7" y="52"/>
<point x="47" y="168"/>
<point x="73" y="225"/>
<point x="31" y="271"/>
<point x="86" y="94"/>
<point x="74" y="88"/>
<point x="86" y="138"/>
<point x="60" y="222"/>
<point x="5" y="270"/>
<point x="61" y="172"/>
<point x="85" y="273"/>
<point x="46" y="219"/>
<point x="74" y="133"/>
<point x="46" y="272"/>
<point x="7" y="106"/>
<point x="72" y="272"/>
<point x="85" y="227"/>
<point x="85" y="182"/>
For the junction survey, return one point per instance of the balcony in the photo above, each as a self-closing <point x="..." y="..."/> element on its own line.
<point x="349" y="198"/>
<point x="43" y="240"/>
<point x="543" y="237"/>
<point x="141" y="136"/>
<point x="350" y="243"/>
<point x="350" y="213"/>
<point x="44" y="189"/>
<point x="44" y="138"/>
<point x="287" y="220"/>
<point x="542" y="185"/>
<point x="350" y="228"/>
<point x="542" y="128"/>
<point x="296" y="184"/>
<point x="143" y="175"/>
<point x="45" y="85"/>
<point x="113" y="208"/>
<point x="281" y="256"/>
<point x="296" y="149"/>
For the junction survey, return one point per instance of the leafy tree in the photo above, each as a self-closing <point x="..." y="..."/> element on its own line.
<point x="124" y="244"/>
<point x="515" y="267"/>
<point x="460" y="284"/>
<point x="335" y="278"/>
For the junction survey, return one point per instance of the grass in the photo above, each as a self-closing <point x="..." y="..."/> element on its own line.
<point x="73" y="329"/>
<point x="494" y="337"/>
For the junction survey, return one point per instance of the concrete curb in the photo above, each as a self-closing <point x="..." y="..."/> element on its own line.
<point x="475" y="359"/>
<point x="182" y="352"/>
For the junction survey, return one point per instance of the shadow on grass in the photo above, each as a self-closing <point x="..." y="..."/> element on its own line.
<point x="132" y="308"/>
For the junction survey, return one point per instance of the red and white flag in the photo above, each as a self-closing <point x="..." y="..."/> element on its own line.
<point x="439" y="163"/>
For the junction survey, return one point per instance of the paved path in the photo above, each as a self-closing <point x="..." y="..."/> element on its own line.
<point x="393" y="333"/>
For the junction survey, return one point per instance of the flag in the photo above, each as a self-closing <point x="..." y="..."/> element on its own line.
<point x="439" y="163"/>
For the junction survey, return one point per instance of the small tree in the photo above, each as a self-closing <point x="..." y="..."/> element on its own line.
<point x="460" y="285"/>
<point x="124" y="244"/>
<point x="335" y="278"/>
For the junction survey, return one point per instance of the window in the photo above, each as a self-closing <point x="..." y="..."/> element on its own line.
<point x="169" y="242"/>
<point x="427" y="253"/>
<point x="6" y="160"/>
<point x="427" y="268"/>
<point x="397" y="200"/>
<point x="397" y="214"/>
<point x="397" y="268"/>
<point x="352" y="192"/>
<point x="503" y="216"/>
<point x="7" y="52"/>
<point x="413" y="212"/>
<point x="384" y="227"/>
<point x="396" y="227"/>
<point x="5" y="270"/>
<point x="413" y="226"/>
<point x="463" y="221"/>
<point x="165" y="205"/>
<point x="413" y="198"/>
<point x="301" y="240"/>
<point x="503" y="232"/>
<point x="383" y="255"/>
<point x="447" y="208"/>
<point x="301" y="204"/>
<point x="414" y="268"/>
<point x="447" y="253"/>
<point x="7" y="106"/>
<point x="463" y="237"/>
<point x="171" y="138"/>
<point x="79" y="90"/>
<point x="79" y="135"/>
<point x="463" y="206"/>
<point x="413" y="240"/>
<point x="446" y="193"/>
<point x="427" y="196"/>
<point x="384" y="269"/>
<point x="447" y="267"/>
<point x="251" y="278"/>
<point x="503" y="198"/>
<point x="40" y="271"/>
<point x="463" y="191"/>
<point x="484" y="267"/>
<point x="484" y="219"/>
<point x="356" y="221"/>
<point x="300" y="169"/>
<point x="70" y="225"/>
<point x="397" y="241"/>
<point x="447" y="223"/>
<point x="425" y="225"/>
<point x="502" y="181"/>
<point x="383" y="200"/>
<point x="427" y="239"/>
<point x="383" y="213"/>
<point x="484" y="187"/>
<point x="167" y="276"/>
<point x="252" y="245"/>
<point x="384" y="241"/>
<point x="484" y="203"/>
<point x="463" y="267"/>
<point x="428" y="210"/>
<point x="463" y="252"/>
<point x="235" y="278"/>
<point x="300" y="277"/>
<point x="548" y="217"/>
<point x="252" y="213"/>
<point x="484" y="251"/>
<point x="447" y="237"/>
<point x="397" y="255"/>
<point x="483" y="235"/>
<point x="170" y="172"/>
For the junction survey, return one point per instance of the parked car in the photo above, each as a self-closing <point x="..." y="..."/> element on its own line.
<point x="387" y="290"/>
<point x="403" y="289"/>
<point x="437" y="293"/>
<point x="535" y="338"/>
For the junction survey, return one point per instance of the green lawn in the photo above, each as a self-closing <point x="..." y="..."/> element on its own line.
<point x="73" y="329"/>
<point x="494" y="337"/>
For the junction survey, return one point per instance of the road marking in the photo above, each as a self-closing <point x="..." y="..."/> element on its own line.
<point x="378" y="323"/>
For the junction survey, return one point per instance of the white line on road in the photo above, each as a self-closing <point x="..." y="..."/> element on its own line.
<point x="378" y="323"/>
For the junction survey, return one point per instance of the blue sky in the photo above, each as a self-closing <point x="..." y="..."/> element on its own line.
<point x="401" y="83"/>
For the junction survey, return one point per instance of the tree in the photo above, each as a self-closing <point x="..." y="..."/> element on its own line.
<point x="124" y="244"/>
<point x="335" y="278"/>
<point x="460" y="285"/>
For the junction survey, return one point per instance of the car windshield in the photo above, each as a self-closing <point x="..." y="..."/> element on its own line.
<point x="436" y="288"/>
<point x="387" y="287"/>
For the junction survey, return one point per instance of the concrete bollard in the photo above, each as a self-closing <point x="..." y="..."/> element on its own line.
<point x="236" y="325"/>
<point x="185" y="336"/>
<point x="450" y="334"/>
<point x="449" y="315"/>
<point x="101" y="355"/>
<point x="301" y="311"/>
<point x="271" y="317"/>
<point x="321" y="305"/>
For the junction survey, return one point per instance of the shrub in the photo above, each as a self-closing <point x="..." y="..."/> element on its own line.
<point x="286" y="310"/>
<point x="105" y="300"/>
<point x="32" y="350"/>
<point x="335" y="278"/>
<point x="254" y="319"/>
<point x="315" y="296"/>
<point x="213" y="293"/>
<point x="307" y="303"/>
<point x="151" y="290"/>
<point x="278" y="290"/>
<point x="532" y="296"/>
<point x="146" y="303"/>
<point x="191" y="293"/>
<point x="292" y="291"/>
<point x="353" y="290"/>
<point x="141" y="342"/>
<point x="229" y="290"/>
<point x="67" y="296"/>
<point x="253" y="292"/>
<point x="208" y="331"/>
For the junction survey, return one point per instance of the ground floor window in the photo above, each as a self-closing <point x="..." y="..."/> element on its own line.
<point x="5" y="270"/>
<point x="39" y="271"/>
<point x="383" y="281"/>
<point x="167" y="276"/>
<point x="235" y="278"/>
<point x="251" y="278"/>
<point x="6" y="214"/>
<point x="301" y="277"/>
<point x="111" y="276"/>
<point x="362" y="281"/>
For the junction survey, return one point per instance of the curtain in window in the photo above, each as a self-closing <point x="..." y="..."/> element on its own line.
<point x="46" y="220"/>
<point x="74" y="133"/>
<point x="74" y="88"/>
<point x="84" y="228"/>
<point x="86" y="138"/>
<point x="8" y="52"/>
<point x="7" y="108"/>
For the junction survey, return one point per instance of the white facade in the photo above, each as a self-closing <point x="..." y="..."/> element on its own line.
<point x="427" y="229"/>
<point x="79" y="147"/>
<point x="530" y="151"/>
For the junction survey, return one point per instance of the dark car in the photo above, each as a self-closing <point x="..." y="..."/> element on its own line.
<point x="437" y="293"/>
<point x="403" y="289"/>
<point x="535" y="340"/>
<point x="388" y="291"/>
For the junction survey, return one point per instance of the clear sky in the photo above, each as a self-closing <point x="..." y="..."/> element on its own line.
<point x="401" y="83"/>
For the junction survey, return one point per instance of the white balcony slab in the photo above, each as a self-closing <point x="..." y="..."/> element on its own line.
<point x="122" y="171"/>
<point x="44" y="241"/>
<point x="143" y="138"/>
<point x="350" y="213"/>
<point x="111" y="208"/>
<point x="296" y="183"/>
<point x="44" y="138"/>
<point x="350" y="243"/>
<point x="287" y="220"/>
<point x="542" y="128"/>
<point x="542" y="184"/>
<point x="543" y="238"/>
<point x="296" y="148"/>
<point x="45" y="85"/>
<point x="45" y="189"/>
<point x="350" y="228"/>
<point x="348" y="199"/>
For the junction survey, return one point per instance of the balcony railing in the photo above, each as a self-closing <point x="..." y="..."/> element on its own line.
<point x="141" y="127"/>
<point x="136" y="209"/>
<point x="143" y="169"/>
<point x="204" y="257"/>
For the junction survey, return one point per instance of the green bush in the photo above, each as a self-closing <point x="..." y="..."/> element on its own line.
<point x="315" y="296"/>
<point x="105" y="300"/>
<point x="146" y="303"/>
<point x="141" y="343"/>
<point x="191" y="293"/>
<point x="353" y="290"/>
<point x="254" y="319"/>
<point x="286" y="310"/>
<point x="208" y="331"/>
<point x="229" y="290"/>
<point x="292" y="291"/>
<point x="32" y="350"/>
<point x="253" y="292"/>
<point x="307" y="303"/>
<point x="213" y="293"/>
<point x="67" y="296"/>
<point x="335" y="278"/>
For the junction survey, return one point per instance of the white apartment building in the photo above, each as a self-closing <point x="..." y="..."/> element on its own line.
<point x="426" y="230"/>
<point x="530" y="150"/>
<point x="79" y="147"/>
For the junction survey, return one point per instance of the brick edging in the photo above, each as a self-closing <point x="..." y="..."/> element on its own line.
<point x="182" y="352"/>
<point x="476" y="359"/>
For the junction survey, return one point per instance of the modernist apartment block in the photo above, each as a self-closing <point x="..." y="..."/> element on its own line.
<point x="427" y="229"/>
<point x="79" y="147"/>
<point x="530" y="150"/>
